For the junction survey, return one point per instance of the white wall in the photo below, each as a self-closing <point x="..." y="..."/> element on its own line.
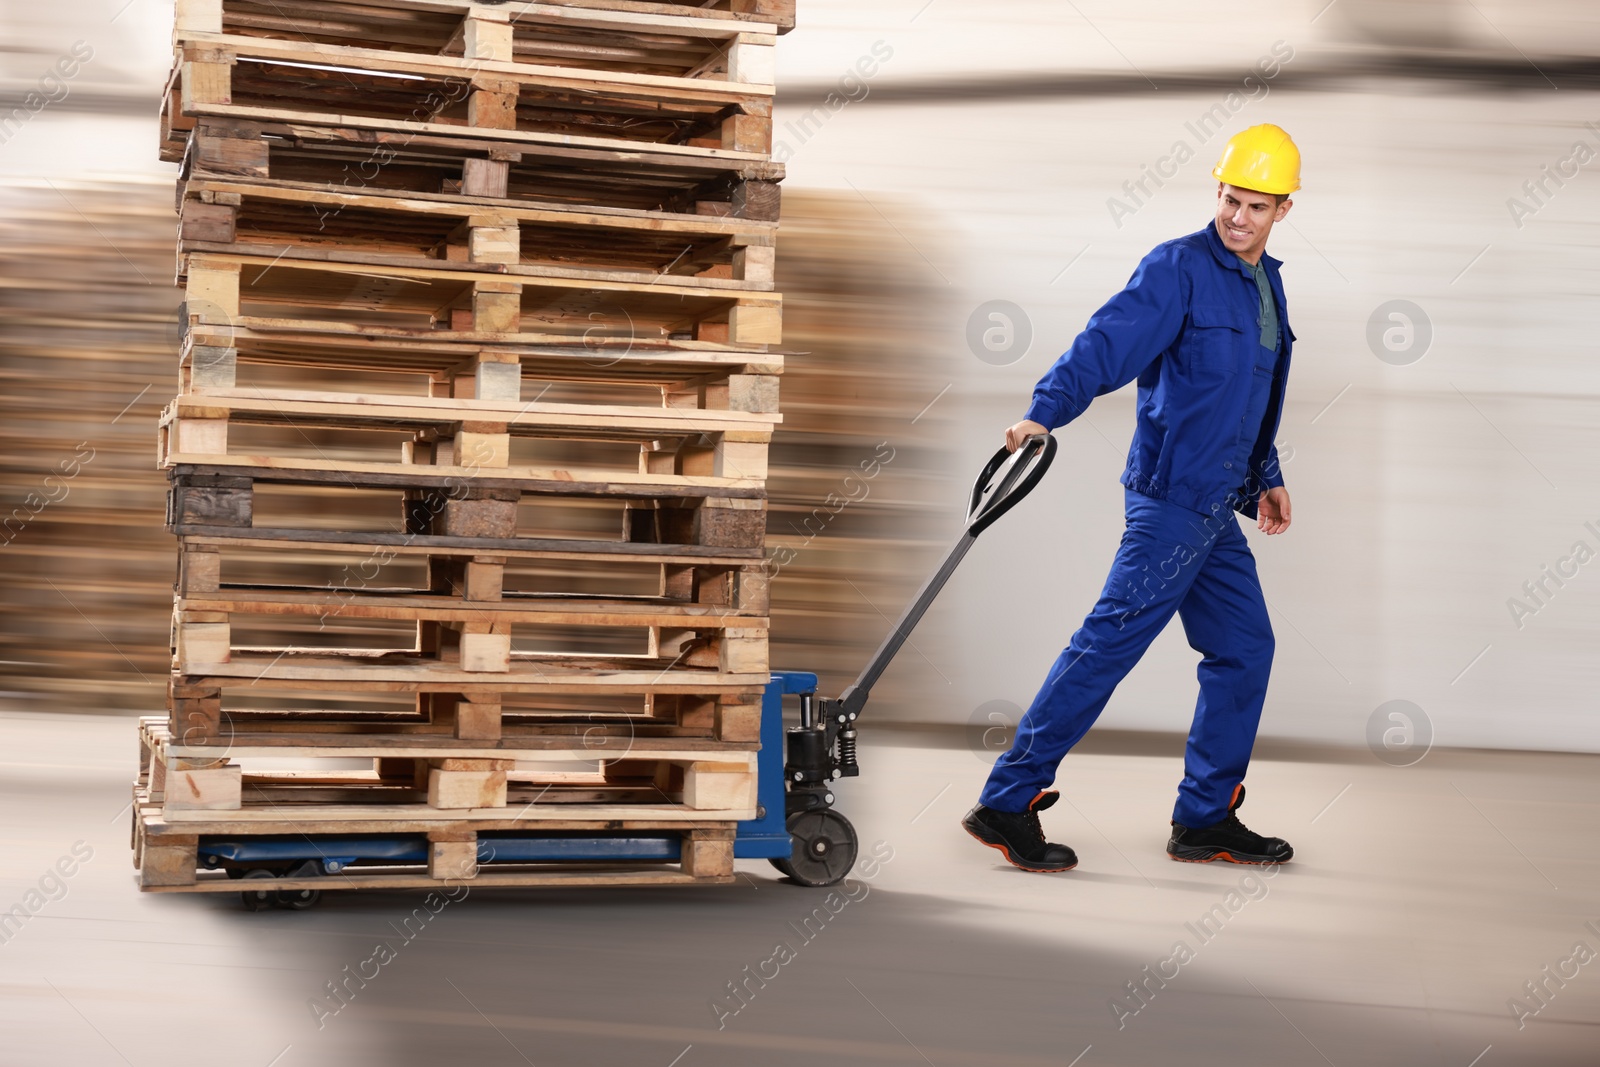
<point x="1425" y="496"/>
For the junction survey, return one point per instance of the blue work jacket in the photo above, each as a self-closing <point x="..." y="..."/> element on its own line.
<point x="1186" y="328"/>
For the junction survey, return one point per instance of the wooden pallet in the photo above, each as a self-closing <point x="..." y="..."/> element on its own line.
<point x="473" y="623"/>
<point x="507" y="300"/>
<point x="258" y="363"/>
<point x="479" y="76"/>
<point x="464" y="207"/>
<point x="411" y="819"/>
<point x="477" y="715"/>
<point x="412" y="230"/>
<point x="628" y="35"/>
<point x="252" y="781"/>
<point x="487" y="171"/>
<point x="560" y="578"/>
<point x="493" y="89"/>
<point x="702" y="58"/>
<point x="552" y="876"/>
<point x="460" y="666"/>
<point x="413" y="583"/>
<point x="285" y="82"/>
<point x="259" y="353"/>
<point x="488" y="298"/>
<point x="166" y="855"/>
<point x="465" y="438"/>
<point x="684" y="39"/>
<point x="688" y="518"/>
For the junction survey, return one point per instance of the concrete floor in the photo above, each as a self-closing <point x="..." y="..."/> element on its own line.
<point x="1422" y="899"/>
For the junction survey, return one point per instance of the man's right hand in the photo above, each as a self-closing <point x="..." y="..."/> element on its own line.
<point x="1021" y="432"/>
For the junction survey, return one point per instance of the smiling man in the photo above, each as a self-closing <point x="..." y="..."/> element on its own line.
<point x="1203" y="326"/>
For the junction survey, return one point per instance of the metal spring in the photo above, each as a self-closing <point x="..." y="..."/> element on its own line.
<point x="847" y="748"/>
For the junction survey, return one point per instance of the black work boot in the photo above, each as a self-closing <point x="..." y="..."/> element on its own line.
<point x="1019" y="836"/>
<point x="1228" y="840"/>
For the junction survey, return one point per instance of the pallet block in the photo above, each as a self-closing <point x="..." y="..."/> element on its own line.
<point x="208" y="789"/>
<point x="450" y="859"/>
<point x="466" y="788"/>
<point x="203" y="783"/>
<point x="168" y="862"/>
<point x="708" y="854"/>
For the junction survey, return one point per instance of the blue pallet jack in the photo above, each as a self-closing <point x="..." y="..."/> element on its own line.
<point x="796" y="827"/>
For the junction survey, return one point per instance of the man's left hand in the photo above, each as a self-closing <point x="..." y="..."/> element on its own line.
<point x="1273" y="511"/>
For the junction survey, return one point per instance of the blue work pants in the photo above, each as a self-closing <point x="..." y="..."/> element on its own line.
<point x="1171" y="559"/>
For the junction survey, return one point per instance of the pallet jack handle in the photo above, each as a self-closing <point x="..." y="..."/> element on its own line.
<point x="1000" y="486"/>
<point x="823" y="747"/>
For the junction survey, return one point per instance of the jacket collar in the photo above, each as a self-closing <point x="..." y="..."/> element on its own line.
<point x="1229" y="259"/>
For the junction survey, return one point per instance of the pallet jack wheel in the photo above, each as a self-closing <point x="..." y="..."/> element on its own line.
<point x="256" y="899"/>
<point x="824" y="846"/>
<point x="300" y="899"/>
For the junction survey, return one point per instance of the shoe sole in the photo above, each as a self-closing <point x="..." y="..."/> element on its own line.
<point x="1006" y="852"/>
<point x="1195" y="854"/>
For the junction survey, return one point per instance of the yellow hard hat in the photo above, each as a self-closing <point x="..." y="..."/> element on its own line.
<point x="1263" y="158"/>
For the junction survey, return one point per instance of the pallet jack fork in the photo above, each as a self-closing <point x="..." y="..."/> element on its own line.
<point x="796" y="828"/>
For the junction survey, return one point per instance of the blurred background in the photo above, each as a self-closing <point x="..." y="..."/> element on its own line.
<point x="956" y="168"/>
<point x="943" y="156"/>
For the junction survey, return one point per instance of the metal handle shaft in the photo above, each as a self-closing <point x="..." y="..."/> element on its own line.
<point x="990" y="500"/>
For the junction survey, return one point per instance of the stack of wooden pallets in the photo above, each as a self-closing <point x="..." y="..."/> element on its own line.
<point x="536" y="242"/>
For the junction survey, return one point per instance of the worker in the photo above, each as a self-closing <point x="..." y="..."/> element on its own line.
<point x="1203" y="327"/>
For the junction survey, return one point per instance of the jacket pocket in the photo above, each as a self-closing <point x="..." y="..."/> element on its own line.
<point x="1210" y="343"/>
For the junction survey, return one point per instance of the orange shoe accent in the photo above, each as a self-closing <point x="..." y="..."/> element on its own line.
<point x="1229" y="858"/>
<point x="1234" y="799"/>
<point x="1006" y="852"/>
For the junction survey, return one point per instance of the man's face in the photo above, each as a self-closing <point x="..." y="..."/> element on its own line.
<point x="1245" y="218"/>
